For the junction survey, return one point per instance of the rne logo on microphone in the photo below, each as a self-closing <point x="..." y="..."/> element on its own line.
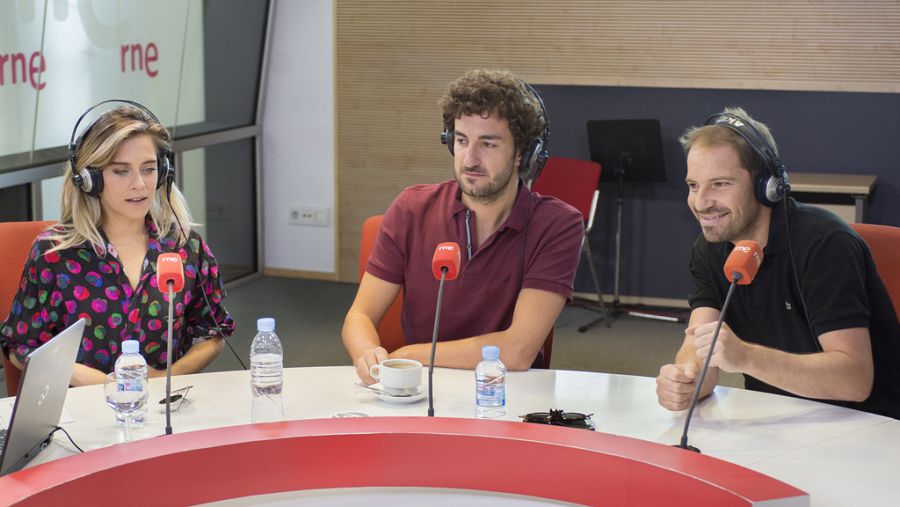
<point x="742" y="248"/>
<point x="169" y="259"/>
<point x="446" y="247"/>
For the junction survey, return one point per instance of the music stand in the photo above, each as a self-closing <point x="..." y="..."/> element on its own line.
<point x="627" y="150"/>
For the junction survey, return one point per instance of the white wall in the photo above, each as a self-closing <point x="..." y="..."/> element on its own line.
<point x="298" y="136"/>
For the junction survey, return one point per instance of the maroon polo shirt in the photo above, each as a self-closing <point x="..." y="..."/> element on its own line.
<point x="482" y="298"/>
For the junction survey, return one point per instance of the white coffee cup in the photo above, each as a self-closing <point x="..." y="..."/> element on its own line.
<point x="398" y="376"/>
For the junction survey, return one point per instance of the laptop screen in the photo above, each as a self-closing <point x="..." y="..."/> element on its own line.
<point x="42" y="394"/>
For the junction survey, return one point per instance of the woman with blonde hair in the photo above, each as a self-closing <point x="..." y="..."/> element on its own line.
<point x="120" y="211"/>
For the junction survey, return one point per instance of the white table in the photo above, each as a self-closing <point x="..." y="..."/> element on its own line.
<point x="841" y="457"/>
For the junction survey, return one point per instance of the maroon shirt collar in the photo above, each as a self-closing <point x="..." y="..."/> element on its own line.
<point x="517" y="216"/>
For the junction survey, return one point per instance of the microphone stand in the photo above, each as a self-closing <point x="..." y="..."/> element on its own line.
<point x="437" y="320"/>
<point x="712" y="346"/>
<point x="625" y="159"/>
<point x="170" y="284"/>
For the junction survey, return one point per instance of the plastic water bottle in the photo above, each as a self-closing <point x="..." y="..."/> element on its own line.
<point x="490" y="384"/>
<point x="266" y="373"/>
<point x="131" y="366"/>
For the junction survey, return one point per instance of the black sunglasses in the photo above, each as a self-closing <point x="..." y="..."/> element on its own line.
<point x="177" y="395"/>
<point x="561" y="418"/>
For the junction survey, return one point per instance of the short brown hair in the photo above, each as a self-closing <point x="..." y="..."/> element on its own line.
<point x="717" y="135"/>
<point x="486" y="92"/>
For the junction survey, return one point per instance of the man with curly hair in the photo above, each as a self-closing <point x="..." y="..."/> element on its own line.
<point x="520" y="249"/>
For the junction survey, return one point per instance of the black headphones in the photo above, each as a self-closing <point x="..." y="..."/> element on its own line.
<point x="534" y="156"/>
<point x="773" y="183"/>
<point x="90" y="179"/>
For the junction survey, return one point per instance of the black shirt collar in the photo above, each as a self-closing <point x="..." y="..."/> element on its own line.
<point x="778" y="238"/>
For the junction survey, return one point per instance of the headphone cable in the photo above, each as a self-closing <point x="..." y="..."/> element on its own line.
<point x="202" y="289"/>
<point x="787" y="229"/>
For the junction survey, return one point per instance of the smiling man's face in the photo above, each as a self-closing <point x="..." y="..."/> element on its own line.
<point x="720" y="195"/>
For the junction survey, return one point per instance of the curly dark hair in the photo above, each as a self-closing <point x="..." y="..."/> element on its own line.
<point x="485" y="92"/>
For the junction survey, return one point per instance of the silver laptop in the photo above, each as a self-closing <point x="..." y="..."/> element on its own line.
<point x="42" y="393"/>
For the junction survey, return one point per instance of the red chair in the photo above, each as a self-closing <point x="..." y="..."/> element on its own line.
<point x="16" y="239"/>
<point x="574" y="182"/>
<point x="884" y="243"/>
<point x="390" y="329"/>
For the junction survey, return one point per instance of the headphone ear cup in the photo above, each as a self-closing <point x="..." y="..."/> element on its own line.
<point x="538" y="166"/>
<point x="82" y="180"/>
<point x="771" y="189"/>
<point x="447" y="138"/>
<point x="97" y="182"/>
<point x="89" y="181"/>
<point x="529" y="157"/>
<point x="165" y="170"/>
<point x="760" y="187"/>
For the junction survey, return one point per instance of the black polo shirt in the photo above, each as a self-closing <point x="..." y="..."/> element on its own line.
<point x="841" y="288"/>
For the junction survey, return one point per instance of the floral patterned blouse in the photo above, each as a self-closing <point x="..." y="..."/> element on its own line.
<point x="59" y="288"/>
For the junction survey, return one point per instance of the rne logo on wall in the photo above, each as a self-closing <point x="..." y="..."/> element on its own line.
<point x="13" y="68"/>
<point x="19" y="67"/>
<point x="17" y="72"/>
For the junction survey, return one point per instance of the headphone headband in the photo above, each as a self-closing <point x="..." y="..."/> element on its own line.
<point x="535" y="155"/>
<point x="540" y="148"/>
<point x="757" y="141"/>
<point x="98" y="104"/>
<point x="772" y="184"/>
<point x="90" y="180"/>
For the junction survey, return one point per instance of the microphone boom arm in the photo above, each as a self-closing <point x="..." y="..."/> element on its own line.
<point x="437" y="320"/>
<point x="712" y="346"/>
<point x="171" y="285"/>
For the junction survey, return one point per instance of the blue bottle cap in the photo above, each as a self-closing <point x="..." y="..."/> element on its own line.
<point x="265" y="324"/>
<point x="130" y="347"/>
<point x="490" y="352"/>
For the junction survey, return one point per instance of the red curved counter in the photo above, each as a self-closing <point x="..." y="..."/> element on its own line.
<point x="563" y="464"/>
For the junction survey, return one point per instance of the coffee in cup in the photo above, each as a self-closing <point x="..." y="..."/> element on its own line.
<point x="398" y="376"/>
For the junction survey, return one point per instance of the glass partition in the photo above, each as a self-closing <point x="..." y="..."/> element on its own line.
<point x="219" y="184"/>
<point x="15" y="203"/>
<point x="197" y="64"/>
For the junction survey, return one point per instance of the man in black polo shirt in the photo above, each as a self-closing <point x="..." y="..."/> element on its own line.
<point x="817" y="321"/>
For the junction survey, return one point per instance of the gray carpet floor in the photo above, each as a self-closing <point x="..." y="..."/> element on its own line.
<point x="309" y="314"/>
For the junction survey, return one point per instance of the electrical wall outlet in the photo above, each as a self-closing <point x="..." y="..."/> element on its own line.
<point x="309" y="215"/>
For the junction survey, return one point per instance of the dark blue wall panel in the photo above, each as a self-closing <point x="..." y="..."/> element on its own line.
<point x="815" y="131"/>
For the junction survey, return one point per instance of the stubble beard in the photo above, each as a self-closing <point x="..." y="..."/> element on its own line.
<point x="490" y="192"/>
<point x="732" y="231"/>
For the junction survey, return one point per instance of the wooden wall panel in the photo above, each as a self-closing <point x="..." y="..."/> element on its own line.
<point x="395" y="58"/>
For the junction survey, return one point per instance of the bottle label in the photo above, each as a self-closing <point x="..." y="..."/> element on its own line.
<point x="491" y="394"/>
<point x="129" y="386"/>
<point x="128" y="379"/>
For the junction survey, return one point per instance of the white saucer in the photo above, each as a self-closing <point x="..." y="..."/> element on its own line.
<point x="400" y="400"/>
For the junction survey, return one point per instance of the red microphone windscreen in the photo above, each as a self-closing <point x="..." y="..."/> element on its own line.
<point x="446" y="255"/>
<point x="744" y="259"/>
<point x="169" y="269"/>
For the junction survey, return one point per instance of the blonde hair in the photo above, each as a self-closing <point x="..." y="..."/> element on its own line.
<point x="81" y="214"/>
